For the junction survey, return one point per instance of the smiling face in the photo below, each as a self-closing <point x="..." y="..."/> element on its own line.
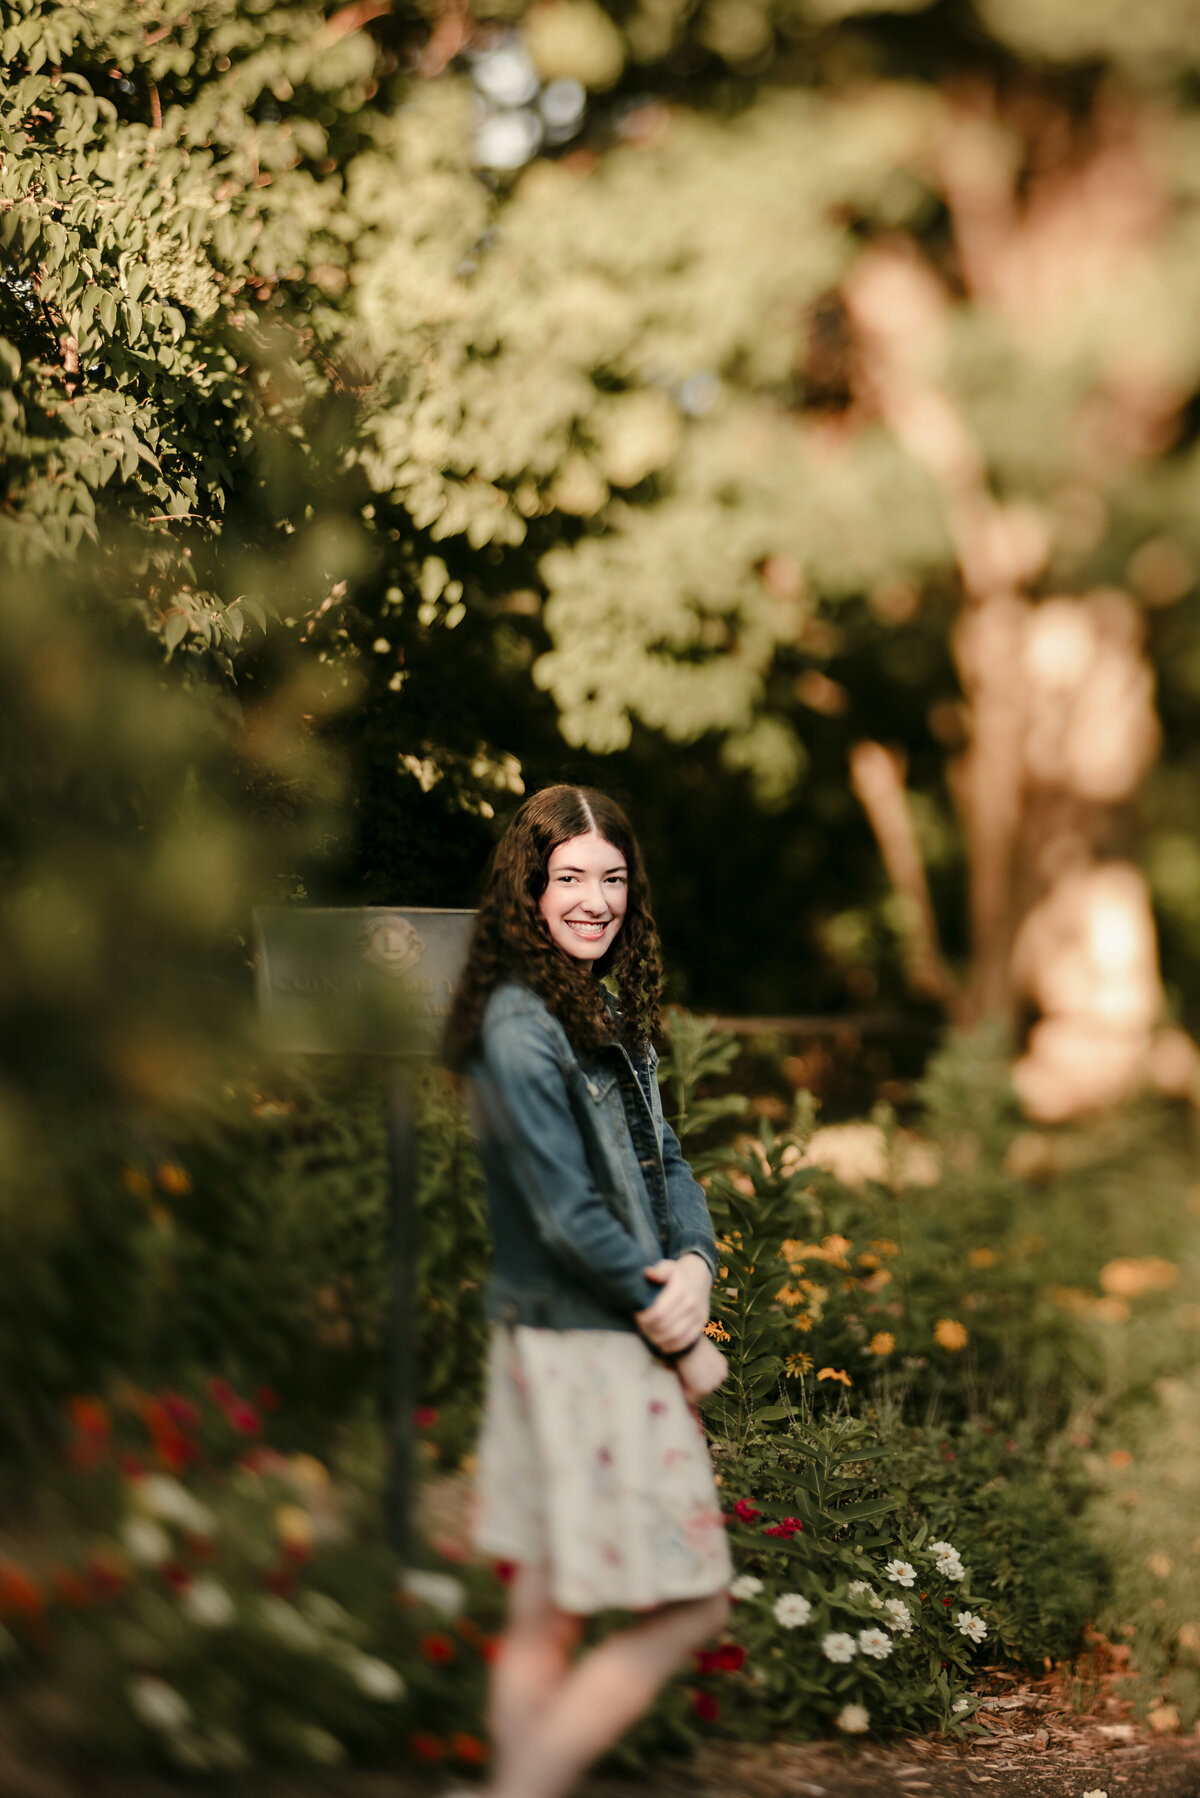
<point x="587" y="891"/>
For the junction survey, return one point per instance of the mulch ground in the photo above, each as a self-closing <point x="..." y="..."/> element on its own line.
<point x="1035" y="1746"/>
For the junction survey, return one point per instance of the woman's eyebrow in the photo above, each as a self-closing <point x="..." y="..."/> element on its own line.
<point x="620" y="868"/>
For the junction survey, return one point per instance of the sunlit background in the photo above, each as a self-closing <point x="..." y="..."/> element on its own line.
<point x="786" y="417"/>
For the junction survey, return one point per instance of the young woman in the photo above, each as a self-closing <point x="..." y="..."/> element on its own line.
<point x="594" y="1475"/>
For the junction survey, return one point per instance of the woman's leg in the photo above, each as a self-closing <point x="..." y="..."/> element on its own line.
<point x="534" y="1660"/>
<point x="602" y="1695"/>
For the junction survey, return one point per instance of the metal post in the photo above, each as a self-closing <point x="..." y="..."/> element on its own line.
<point x="402" y="1321"/>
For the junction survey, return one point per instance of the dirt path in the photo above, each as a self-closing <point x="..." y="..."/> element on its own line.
<point x="1034" y="1748"/>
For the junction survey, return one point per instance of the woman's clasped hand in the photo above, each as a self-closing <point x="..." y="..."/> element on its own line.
<point x="676" y="1320"/>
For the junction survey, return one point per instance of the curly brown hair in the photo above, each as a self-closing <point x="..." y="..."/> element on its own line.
<point x="510" y="940"/>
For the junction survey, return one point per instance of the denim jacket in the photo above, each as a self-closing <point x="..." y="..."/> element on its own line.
<point x="577" y="1212"/>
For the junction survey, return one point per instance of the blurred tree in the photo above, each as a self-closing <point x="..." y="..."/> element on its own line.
<point x="834" y="339"/>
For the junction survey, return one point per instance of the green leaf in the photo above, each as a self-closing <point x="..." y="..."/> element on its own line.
<point x="107" y="306"/>
<point x="175" y="630"/>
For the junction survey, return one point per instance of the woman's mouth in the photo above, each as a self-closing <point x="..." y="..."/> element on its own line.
<point x="591" y="932"/>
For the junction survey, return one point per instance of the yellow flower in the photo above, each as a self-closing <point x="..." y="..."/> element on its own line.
<point x="798" y="1364"/>
<point x="722" y="1273"/>
<point x="982" y="1257"/>
<point x="950" y="1334"/>
<point x="835" y="1250"/>
<point x="787" y="1295"/>
<point x="883" y="1245"/>
<point x="715" y="1330"/>
<point x="803" y="1321"/>
<point x="835" y="1373"/>
<point x="295" y="1526"/>
<point x="868" y="1261"/>
<point x="1111" y="1310"/>
<point x="877" y="1281"/>
<point x="1132" y="1276"/>
<point x="882" y="1343"/>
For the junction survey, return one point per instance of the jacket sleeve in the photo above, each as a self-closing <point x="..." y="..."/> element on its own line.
<point x="690" y="1230"/>
<point x="533" y="1114"/>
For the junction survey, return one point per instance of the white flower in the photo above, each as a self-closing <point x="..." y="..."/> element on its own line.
<point x="319" y="1745"/>
<point x="145" y="1542"/>
<point x="791" y="1610"/>
<point x="746" y="1585"/>
<point x="157" y="1704"/>
<point x="899" y="1616"/>
<point x="971" y="1626"/>
<point x="376" y="1678"/>
<point x="855" y="1719"/>
<point x="1096" y="1794"/>
<point x="875" y="1642"/>
<point x="167" y="1500"/>
<point x="901" y="1572"/>
<point x="207" y="1603"/>
<point x="837" y="1646"/>
<point x="948" y="1561"/>
<point x="857" y="1587"/>
<point x="287" y="1625"/>
<point x="441" y="1591"/>
<point x="960" y="1705"/>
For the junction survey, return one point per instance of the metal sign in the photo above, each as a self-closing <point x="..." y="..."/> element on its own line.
<point x="376" y="980"/>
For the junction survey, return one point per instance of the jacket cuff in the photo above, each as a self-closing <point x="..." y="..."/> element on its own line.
<point x="697" y="1246"/>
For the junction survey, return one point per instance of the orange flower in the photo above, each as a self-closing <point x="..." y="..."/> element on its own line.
<point x="89" y="1415"/>
<point x="982" y="1257"/>
<point x="883" y="1245"/>
<point x="716" y="1331"/>
<point x="882" y="1343"/>
<point x="172" y="1178"/>
<point x="136" y="1182"/>
<point x="788" y="1295"/>
<point x="468" y="1748"/>
<point x="798" y="1364"/>
<point x="803" y="1322"/>
<point x="950" y="1334"/>
<point x="878" y="1280"/>
<point x="835" y="1373"/>
<point x="20" y="1595"/>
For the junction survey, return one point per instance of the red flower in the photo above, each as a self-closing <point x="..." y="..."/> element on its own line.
<point x="436" y="1648"/>
<point x="19" y="1594"/>
<point x="106" y="1581"/>
<point x="222" y="1393"/>
<point x="946" y="1602"/>
<point x="424" y="1417"/>
<point x="268" y="1398"/>
<point x="176" y="1576"/>
<point x="245" y="1419"/>
<point x="281" y="1581"/>
<point x="791" y="1526"/>
<point x="182" y="1412"/>
<point x="505" y="1571"/>
<point x="706" y="1707"/>
<point x="132" y="1466"/>
<point x="730" y="1657"/>
<point x="468" y="1748"/>
<point x="746" y="1510"/>
<point x="425" y="1746"/>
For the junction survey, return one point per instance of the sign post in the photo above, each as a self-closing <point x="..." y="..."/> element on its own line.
<point x="377" y="980"/>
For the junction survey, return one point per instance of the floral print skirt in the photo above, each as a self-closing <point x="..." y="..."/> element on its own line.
<point x="593" y="1464"/>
